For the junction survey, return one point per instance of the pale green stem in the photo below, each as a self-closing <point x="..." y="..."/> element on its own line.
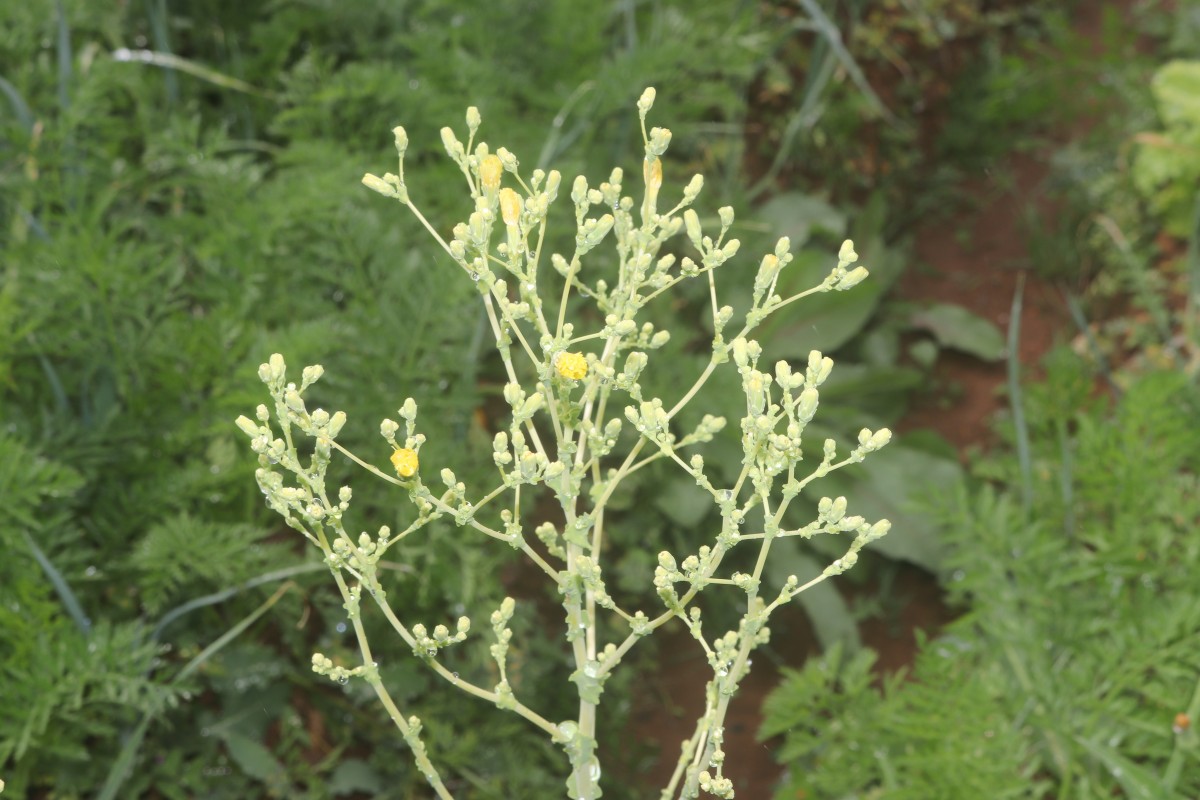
<point x="423" y="763"/>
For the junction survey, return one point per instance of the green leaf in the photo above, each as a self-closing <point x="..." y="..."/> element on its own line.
<point x="890" y="484"/>
<point x="1137" y="782"/>
<point x="795" y="215"/>
<point x="1176" y="88"/>
<point x="683" y="502"/>
<point x="824" y="604"/>
<point x="254" y="759"/>
<point x="353" y="775"/>
<point x="955" y="327"/>
<point x="824" y="321"/>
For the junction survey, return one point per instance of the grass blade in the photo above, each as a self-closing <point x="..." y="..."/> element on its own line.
<point x="225" y="594"/>
<point x="64" y="57"/>
<point x="157" y="11"/>
<point x="1065" y="478"/>
<point x="804" y="118"/>
<point x="124" y="761"/>
<point x="61" y="586"/>
<point x="551" y="149"/>
<point x="1133" y="778"/>
<point x="1081" y="322"/>
<point x="19" y="106"/>
<point x="231" y="634"/>
<point x="174" y="62"/>
<point x="826" y="28"/>
<point x="1015" y="397"/>
<point x="1191" y="329"/>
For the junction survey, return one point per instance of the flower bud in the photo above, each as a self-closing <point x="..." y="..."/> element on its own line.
<point x="646" y="101"/>
<point x="691" y="222"/>
<point x="378" y="184"/>
<point x="510" y="207"/>
<point x="247" y="426"/>
<point x="453" y="146"/>
<point x="852" y="278"/>
<point x="490" y="170"/>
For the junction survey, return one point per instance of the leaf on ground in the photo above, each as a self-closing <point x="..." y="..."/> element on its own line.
<point x="795" y="215"/>
<point x="354" y="775"/>
<point x="957" y="328"/>
<point x="255" y="760"/>
<point x="891" y="484"/>
<point x="824" y="604"/>
<point x="683" y="502"/>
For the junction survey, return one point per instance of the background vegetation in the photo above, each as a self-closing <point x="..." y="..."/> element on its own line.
<point x="179" y="198"/>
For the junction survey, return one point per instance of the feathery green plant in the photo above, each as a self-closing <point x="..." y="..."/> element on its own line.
<point x="1072" y="671"/>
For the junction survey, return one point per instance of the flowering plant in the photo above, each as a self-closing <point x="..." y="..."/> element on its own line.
<point x="563" y="438"/>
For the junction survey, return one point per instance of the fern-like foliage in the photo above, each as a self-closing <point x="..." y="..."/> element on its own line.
<point x="1076" y="655"/>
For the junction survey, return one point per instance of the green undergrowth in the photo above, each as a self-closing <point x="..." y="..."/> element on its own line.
<point x="1074" y="653"/>
<point x="179" y="198"/>
<point x="1070" y="553"/>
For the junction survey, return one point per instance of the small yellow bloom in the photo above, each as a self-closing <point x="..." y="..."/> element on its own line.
<point x="510" y="206"/>
<point x="405" y="461"/>
<point x="571" y="365"/>
<point x="490" y="170"/>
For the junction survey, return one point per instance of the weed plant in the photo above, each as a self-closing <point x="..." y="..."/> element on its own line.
<point x="565" y="441"/>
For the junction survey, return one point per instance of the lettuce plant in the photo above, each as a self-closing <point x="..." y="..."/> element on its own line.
<point x="580" y="426"/>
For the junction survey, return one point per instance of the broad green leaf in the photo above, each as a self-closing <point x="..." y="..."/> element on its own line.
<point x="823" y="321"/>
<point x="957" y="328"/>
<point x="795" y="215"/>
<point x="255" y="760"/>
<point x="890" y="484"/>
<point x="824" y="604"/>
<point x="683" y="502"/>
<point x="354" y="775"/>
<point x="858" y="396"/>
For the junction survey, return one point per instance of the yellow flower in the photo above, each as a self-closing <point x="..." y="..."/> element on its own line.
<point x="510" y="206"/>
<point x="571" y="365"/>
<point x="405" y="461"/>
<point x="490" y="170"/>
